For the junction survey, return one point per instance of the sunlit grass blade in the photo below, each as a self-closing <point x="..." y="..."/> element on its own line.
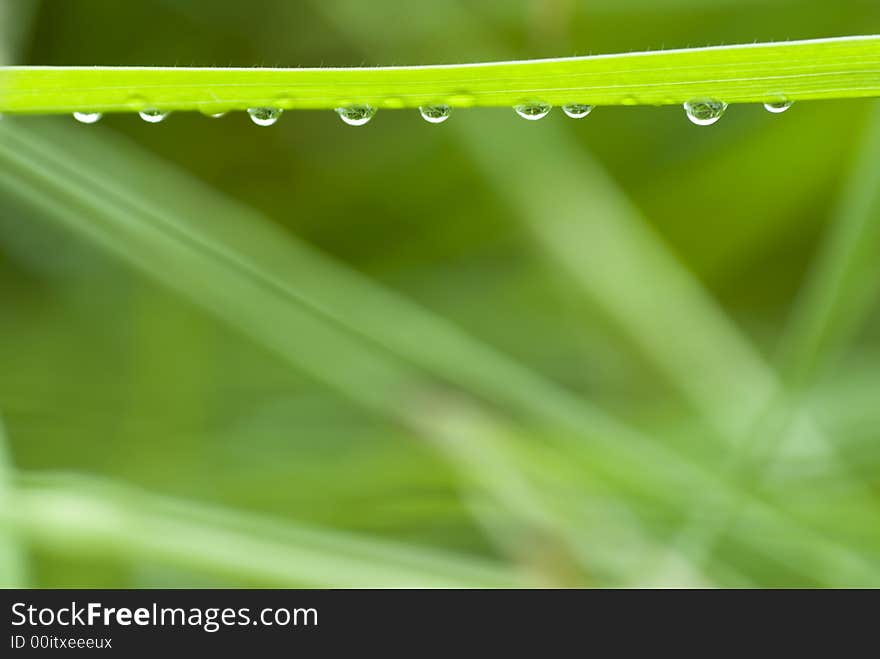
<point x="88" y="517"/>
<point x="798" y="70"/>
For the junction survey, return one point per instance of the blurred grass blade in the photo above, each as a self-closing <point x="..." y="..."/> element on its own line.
<point x="235" y="262"/>
<point x="492" y="462"/>
<point x="481" y="453"/>
<point x="239" y="290"/>
<point x="15" y="21"/>
<point x="268" y="276"/>
<point x="589" y="227"/>
<point x="799" y="70"/>
<point x="90" y="517"/>
<point x="845" y="281"/>
<point x="13" y="567"/>
<point x="331" y="325"/>
<point x="165" y="251"/>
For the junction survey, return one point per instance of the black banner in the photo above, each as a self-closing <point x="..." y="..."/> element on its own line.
<point x="322" y="621"/>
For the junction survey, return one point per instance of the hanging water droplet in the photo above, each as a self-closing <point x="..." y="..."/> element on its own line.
<point x="435" y="114"/>
<point x="153" y="116"/>
<point x="705" y="111"/>
<point x="265" y="116"/>
<point x="87" y="117"/>
<point x="217" y="115"/>
<point x="356" y="115"/>
<point x="778" y="107"/>
<point x="577" y="110"/>
<point x="533" y="111"/>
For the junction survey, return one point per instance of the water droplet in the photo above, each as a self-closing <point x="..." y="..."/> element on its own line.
<point x="576" y="110"/>
<point x="435" y="114"/>
<point x="356" y="115"/>
<point x="533" y="111"/>
<point x="153" y="116"/>
<point x="214" y="115"/>
<point x="264" y="116"/>
<point x="778" y="107"/>
<point x="705" y="111"/>
<point x="214" y="112"/>
<point x="87" y="117"/>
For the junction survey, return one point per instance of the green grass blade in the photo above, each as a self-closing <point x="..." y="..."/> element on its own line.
<point x="90" y="517"/>
<point x="845" y="67"/>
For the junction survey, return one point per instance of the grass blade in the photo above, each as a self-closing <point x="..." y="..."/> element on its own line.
<point x="799" y="70"/>
<point x="98" y="518"/>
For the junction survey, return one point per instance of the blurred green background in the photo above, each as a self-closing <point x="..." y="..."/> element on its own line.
<point x="617" y="351"/>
